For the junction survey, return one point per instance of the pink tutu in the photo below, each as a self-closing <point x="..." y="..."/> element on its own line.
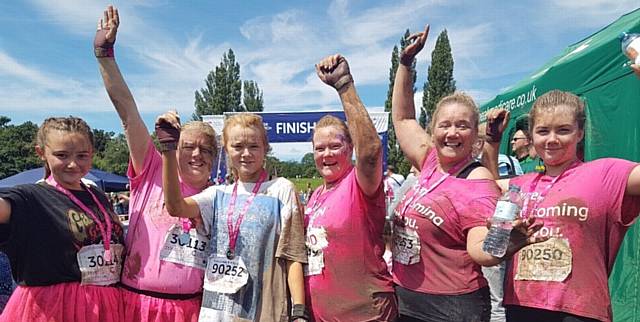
<point x="64" y="302"/>
<point x="140" y="307"/>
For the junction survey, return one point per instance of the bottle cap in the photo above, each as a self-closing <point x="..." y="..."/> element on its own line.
<point x="622" y="35"/>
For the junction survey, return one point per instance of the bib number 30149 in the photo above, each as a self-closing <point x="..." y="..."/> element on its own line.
<point x="95" y="269"/>
<point x="224" y="275"/>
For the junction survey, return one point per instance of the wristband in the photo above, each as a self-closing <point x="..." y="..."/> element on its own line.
<point x="406" y="60"/>
<point x="101" y="52"/>
<point x="299" y="311"/>
<point x="102" y="47"/>
<point x="342" y="82"/>
<point x="494" y="138"/>
<point x="168" y="146"/>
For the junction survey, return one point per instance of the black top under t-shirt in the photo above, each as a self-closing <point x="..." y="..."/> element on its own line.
<point x="46" y="230"/>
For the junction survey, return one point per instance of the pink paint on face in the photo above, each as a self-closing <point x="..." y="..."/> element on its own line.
<point x="331" y="153"/>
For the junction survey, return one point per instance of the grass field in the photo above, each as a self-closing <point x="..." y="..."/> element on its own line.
<point x="301" y="184"/>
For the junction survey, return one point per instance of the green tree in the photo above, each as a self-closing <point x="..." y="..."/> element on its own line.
<point x="115" y="157"/>
<point x="394" y="154"/>
<point x="100" y="140"/>
<point x="17" y="152"/>
<point x="440" y="82"/>
<point x="252" y="97"/>
<point x="308" y="166"/>
<point x="222" y="91"/>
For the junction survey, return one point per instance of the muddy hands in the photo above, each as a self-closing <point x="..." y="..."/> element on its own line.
<point x="106" y="33"/>
<point x="334" y="71"/>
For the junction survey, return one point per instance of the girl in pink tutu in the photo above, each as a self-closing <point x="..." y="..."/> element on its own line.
<point x="62" y="237"/>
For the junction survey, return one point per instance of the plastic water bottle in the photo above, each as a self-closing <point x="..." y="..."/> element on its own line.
<point x="630" y="44"/>
<point x="507" y="210"/>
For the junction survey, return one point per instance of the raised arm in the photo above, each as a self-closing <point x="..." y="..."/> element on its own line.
<point x="136" y="132"/>
<point x="168" y="133"/>
<point x="334" y="71"/>
<point x="497" y="121"/>
<point x="413" y="140"/>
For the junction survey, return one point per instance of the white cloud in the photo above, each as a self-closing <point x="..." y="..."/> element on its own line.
<point x="583" y="13"/>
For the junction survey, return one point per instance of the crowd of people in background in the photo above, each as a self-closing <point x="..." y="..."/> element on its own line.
<point x="366" y="245"/>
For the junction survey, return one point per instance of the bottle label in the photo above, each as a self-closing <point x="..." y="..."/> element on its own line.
<point x="506" y="210"/>
<point x="633" y="50"/>
<point x="548" y="261"/>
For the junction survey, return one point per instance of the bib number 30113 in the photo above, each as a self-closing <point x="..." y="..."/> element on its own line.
<point x="224" y="275"/>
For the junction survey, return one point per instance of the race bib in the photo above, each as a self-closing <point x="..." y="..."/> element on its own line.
<point x="95" y="269"/>
<point x="191" y="249"/>
<point x="406" y="245"/>
<point x="224" y="275"/>
<point x="547" y="261"/>
<point x="316" y="241"/>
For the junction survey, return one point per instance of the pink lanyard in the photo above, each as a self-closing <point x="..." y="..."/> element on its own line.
<point x="533" y="186"/>
<point x="106" y="234"/>
<point x="234" y="230"/>
<point x="415" y="195"/>
<point x="317" y="202"/>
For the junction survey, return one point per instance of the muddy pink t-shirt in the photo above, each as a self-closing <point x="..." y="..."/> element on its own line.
<point x="434" y="229"/>
<point x="587" y="212"/>
<point x="149" y="224"/>
<point x="354" y="269"/>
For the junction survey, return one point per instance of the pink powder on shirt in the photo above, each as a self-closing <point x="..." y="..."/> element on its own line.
<point x="442" y="219"/>
<point x="149" y="223"/>
<point x="354" y="270"/>
<point x="587" y="206"/>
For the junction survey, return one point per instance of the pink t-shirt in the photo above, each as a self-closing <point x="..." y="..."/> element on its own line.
<point x="586" y="207"/>
<point x="441" y="219"/>
<point x="354" y="269"/>
<point x="149" y="224"/>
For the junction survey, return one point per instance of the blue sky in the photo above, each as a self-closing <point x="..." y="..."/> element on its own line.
<point x="166" y="48"/>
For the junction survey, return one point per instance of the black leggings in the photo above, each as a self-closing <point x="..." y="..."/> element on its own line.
<point x="516" y="313"/>
<point x="417" y="306"/>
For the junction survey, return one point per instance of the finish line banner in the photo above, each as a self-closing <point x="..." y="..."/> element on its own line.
<point x="297" y="126"/>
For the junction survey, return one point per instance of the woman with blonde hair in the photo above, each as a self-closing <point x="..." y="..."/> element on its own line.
<point x="440" y="224"/>
<point x="254" y="272"/>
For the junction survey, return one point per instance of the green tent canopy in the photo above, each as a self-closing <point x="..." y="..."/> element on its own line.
<point x="596" y="70"/>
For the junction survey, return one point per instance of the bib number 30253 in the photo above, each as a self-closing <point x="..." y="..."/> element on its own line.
<point x="547" y="261"/>
<point x="95" y="269"/>
<point x="224" y="275"/>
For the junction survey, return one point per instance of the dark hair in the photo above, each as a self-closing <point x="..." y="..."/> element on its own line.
<point x="66" y="124"/>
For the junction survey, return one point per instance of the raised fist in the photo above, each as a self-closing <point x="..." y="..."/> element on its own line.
<point x="334" y="71"/>
<point x="168" y="131"/>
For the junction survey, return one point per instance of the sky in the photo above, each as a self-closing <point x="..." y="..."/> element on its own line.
<point x="165" y="49"/>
